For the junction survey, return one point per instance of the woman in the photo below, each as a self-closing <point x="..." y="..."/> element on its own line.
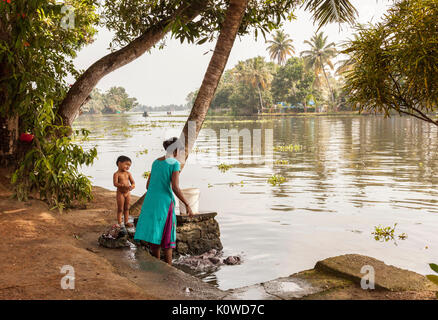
<point x="157" y="221"/>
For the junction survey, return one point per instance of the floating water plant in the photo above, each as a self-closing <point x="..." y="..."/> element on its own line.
<point x="146" y="174"/>
<point x="387" y="233"/>
<point x="276" y="180"/>
<point x="289" y="148"/>
<point x="281" y="162"/>
<point x="232" y="184"/>
<point x="145" y="151"/>
<point x="224" y="167"/>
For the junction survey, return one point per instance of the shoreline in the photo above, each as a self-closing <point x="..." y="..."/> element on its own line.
<point x="37" y="242"/>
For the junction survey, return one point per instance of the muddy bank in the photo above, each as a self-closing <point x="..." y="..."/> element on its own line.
<point x="36" y="243"/>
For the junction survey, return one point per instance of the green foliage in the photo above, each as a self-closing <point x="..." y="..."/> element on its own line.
<point x="290" y="148"/>
<point x="433" y="278"/>
<point x="36" y="52"/>
<point x="51" y="167"/>
<point x="224" y="167"/>
<point x="387" y="233"/>
<point x="37" y="45"/>
<point x="292" y="83"/>
<point x="280" y="47"/>
<point x="394" y="64"/>
<point x="276" y="180"/>
<point x="114" y="100"/>
<point x="131" y="18"/>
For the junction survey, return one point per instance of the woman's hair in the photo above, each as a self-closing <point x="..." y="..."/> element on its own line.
<point x="122" y="159"/>
<point x="174" y="142"/>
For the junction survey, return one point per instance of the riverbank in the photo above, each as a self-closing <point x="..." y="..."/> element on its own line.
<point x="37" y="242"/>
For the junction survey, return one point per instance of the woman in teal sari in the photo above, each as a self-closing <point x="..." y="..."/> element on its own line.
<point x="157" y="221"/>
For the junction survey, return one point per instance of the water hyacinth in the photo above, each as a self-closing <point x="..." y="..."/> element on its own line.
<point x="276" y="180"/>
<point x="224" y="167"/>
<point x="289" y="148"/>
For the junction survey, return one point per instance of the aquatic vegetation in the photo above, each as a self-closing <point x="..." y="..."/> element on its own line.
<point x="383" y="233"/>
<point x="387" y="233"/>
<point x="146" y="174"/>
<point x="289" y="148"/>
<point x="281" y="162"/>
<point x="232" y="184"/>
<point x="224" y="167"/>
<point x="196" y="150"/>
<point x="276" y="180"/>
<point x="433" y="277"/>
<point x="139" y="153"/>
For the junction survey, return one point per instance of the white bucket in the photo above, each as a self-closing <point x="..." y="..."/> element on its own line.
<point x="192" y="197"/>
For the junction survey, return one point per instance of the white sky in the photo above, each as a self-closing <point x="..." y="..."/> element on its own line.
<point x="166" y="76"/>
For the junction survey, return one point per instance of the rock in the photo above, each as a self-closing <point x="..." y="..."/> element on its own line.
<point x="197" y="235"/>
<point x="114" y="237"/>
<point x="232" y="260"/>
<point x="387" y="277"/>
<point x="214" y="260"/>
<point x="113" y="243"/>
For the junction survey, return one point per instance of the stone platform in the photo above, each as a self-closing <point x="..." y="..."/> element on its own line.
<point x="196" y="235"/>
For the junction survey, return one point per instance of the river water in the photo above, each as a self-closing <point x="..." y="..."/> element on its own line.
<point x="344" y="176"/>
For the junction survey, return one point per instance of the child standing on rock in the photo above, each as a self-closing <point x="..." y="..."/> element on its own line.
<point x="124" y="183"/>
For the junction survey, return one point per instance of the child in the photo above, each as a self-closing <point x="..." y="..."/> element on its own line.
<point x="124" y="182"/>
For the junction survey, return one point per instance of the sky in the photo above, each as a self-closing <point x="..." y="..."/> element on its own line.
<point x="166" y="76"/>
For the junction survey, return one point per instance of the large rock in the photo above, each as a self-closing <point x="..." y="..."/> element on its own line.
<point x="387" y="277"/>
<point x="196" y="235"/>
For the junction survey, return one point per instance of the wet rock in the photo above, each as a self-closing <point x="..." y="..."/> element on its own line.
<point x="207" y="261"/>
<point x="197" y="235"/>
<point x="232" y="260"/>
<point x="114" y="237"/>
<point x="349" y="266"/>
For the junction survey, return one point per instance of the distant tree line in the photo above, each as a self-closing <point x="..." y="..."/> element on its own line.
<point x="169" y="107"/>
<point x="114" y="100"/>
<point x="299" y="84"/>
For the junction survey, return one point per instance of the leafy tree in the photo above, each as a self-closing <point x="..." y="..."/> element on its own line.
<point x="395" y="62"/>
<point x="256" y="74"/>
<point x="318" y="57"/>
<point x="280" y="47"/>
<point x="38" y="41"/>
<point x="292" y="83"/>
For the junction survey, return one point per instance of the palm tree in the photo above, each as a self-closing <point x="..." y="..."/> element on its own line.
<point x="224" y="44"/>
<point x="255" y="73"/>
<point x="281" y="47"/>
<point x="318" y="57"/>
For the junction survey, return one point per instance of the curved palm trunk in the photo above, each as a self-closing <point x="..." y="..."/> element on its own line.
<point x="224" y="44"/>
<point x="78" y="93"/>
<point x="328" y="84"/>
<point x="260" y="98"/>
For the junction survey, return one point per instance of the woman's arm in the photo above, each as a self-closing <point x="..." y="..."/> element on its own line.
<point x="178" y="193"/>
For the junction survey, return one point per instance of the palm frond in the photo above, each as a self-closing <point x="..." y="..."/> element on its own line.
<point x="328" y="11"/>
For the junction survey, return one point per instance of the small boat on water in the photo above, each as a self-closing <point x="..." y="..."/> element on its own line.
<point x="145" y="114"/>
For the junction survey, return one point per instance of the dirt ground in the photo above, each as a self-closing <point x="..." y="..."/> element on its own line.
<point x="36" y="242"/>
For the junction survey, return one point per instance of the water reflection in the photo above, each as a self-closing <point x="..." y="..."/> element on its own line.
<point x="351" y="173"/>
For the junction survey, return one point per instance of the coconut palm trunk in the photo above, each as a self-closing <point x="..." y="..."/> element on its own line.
<point x="328" y="84"/>
<point x="218" y="61"/>
<point x="260" y="98"/>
